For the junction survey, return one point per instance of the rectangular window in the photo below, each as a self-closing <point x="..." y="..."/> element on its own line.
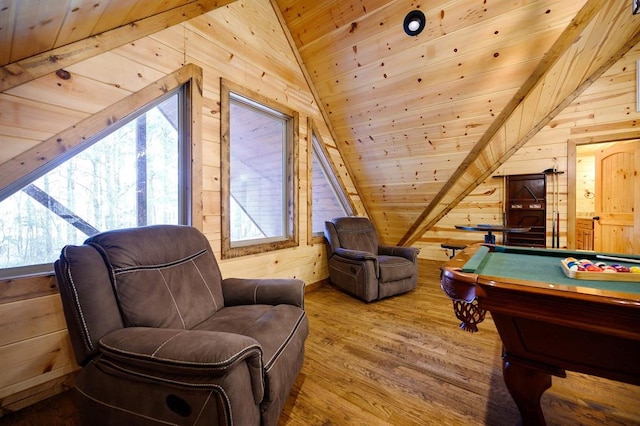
<point x="134" y="173"/>
<point x="258" y="169"/>
<point x="327" y="196"/>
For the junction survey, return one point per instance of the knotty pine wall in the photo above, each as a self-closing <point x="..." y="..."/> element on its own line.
<point x="242" y="42"/>
<point x="34" y="347"/>
<point x="604" y="112"/>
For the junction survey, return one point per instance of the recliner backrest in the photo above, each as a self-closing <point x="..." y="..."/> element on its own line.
<point x="164" y="276"/>
<point x="356" y="233"/>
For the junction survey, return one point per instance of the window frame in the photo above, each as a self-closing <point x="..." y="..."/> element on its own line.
<point x="317" y="145"/>
<point x="229" y="89"/>
<point x="26" y="167"/>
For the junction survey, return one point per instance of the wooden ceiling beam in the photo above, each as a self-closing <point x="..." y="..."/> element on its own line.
<point x="600" y="34"/>
<point x="25" y="70"/>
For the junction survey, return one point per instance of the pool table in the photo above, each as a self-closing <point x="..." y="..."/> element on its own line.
<point x="547" y="321"/>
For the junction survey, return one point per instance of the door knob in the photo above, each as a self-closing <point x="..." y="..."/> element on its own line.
<point x="596" y="218"/>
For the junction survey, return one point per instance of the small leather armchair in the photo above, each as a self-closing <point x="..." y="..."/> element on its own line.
<point x="162" y="338"/>
<point x="361" y="266"/>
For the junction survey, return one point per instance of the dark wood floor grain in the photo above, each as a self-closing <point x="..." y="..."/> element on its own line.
<point x="404" y="361"/>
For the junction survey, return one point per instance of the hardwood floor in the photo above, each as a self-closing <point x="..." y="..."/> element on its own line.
<point x="404" y="361"/>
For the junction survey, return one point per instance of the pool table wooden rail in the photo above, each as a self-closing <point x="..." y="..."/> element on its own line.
<point x="547" y="330"/>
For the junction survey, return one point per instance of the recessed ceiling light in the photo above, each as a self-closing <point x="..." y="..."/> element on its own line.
<point x="414" y="22"/>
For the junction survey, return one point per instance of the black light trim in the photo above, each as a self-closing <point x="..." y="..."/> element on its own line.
<point x="413" y="18"/>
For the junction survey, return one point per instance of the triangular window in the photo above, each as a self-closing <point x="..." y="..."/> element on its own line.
<point x="328" y="197"/>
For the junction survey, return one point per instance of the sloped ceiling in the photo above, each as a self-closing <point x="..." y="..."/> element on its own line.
<point x="419" y="120"/>
<point x="423" y="120"/>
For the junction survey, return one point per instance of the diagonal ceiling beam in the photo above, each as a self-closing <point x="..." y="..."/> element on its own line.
<point x="600" y="34"/>
<point x="25" y="70"/>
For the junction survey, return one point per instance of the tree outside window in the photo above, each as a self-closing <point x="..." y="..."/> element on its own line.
<point x="132" y="176"/>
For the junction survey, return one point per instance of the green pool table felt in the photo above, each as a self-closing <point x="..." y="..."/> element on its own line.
<point x="539" y="265"/>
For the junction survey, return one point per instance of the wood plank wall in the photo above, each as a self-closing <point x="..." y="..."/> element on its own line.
<point x="34" y="345"/>
<point x="605" y="112"/>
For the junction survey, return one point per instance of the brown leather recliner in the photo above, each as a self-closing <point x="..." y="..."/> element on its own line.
<point x="163" y="339"/>
<point x="361" y="266"/>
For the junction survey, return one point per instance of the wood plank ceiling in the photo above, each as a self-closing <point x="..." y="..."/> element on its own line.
<point x="419" y="120"/>
<point x="423" y="120"/>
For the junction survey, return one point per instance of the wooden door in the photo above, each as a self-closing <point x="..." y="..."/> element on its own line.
<point x="617" y="200"/>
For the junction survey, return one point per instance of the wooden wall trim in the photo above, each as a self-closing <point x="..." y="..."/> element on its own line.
<point x="312" y="129"/>
<point x="13" y="289"/>
<point x="293" y="175"/>
<point x="28" y="69"/>
<point x="611" y="135"/>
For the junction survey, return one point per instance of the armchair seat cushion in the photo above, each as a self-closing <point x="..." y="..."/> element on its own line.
<point x="281" y="331"/>
<point x="393" y="268"/>
<point x="273" y="327"/>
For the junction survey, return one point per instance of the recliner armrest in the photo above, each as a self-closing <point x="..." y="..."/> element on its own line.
<point x="184" y="352"/>
<point x="409" y="253"/>
<point x="359" y="256"/>
<point x="263" y="291"/>
<point x="355" y="254"/>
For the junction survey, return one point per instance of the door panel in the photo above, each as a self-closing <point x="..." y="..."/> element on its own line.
<point x="617" y="202"/>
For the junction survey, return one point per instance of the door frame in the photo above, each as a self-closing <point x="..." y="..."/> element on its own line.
<point x="572" y="159"/>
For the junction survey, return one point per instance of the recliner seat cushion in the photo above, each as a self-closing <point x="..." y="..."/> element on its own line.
<point x="393" y="268"/>
<point x="273" y="327"/>
<point x="281" y="331"/>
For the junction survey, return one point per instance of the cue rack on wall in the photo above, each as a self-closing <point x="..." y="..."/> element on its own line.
<point x="526" y="206"/>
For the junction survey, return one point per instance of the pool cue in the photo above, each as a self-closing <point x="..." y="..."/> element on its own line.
<point x="619" y="259"/>
<point x="557" y="180"/>
<point x="553" y="212"/>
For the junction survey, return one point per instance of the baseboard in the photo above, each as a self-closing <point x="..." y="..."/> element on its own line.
<point x="20" y="400"/>
<point x="316" y="285"/>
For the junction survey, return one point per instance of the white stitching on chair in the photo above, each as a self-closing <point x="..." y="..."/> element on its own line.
<point x="255" y="294"/>
<point x="165" y="342"/>
<point x="205" y="284"/>
<point x="161" y="265"/>
<point x="173" y="299"/>
<point x="195" y="421"/>
<point x="86" y="336"/>
<point x="122" y="409"/>
<point x="162" y="379"/>
<point x="185" y="364"/>
<point x="277" y="353"/>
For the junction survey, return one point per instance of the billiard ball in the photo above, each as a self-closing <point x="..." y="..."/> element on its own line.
<point x="621" y="268"/>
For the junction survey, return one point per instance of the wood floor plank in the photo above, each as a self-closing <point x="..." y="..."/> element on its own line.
<point x="404" y="361"/>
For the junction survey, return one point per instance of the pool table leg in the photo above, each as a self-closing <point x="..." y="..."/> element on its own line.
<point x="526" y="386"/>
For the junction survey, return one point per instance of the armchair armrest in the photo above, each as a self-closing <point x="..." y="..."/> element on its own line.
<point x="263" y="291"/>
<point x="408" y="253"/>
<point x="160" y="351"/>
<point x="359" y="256"/>
<point x="355" y="254"/>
